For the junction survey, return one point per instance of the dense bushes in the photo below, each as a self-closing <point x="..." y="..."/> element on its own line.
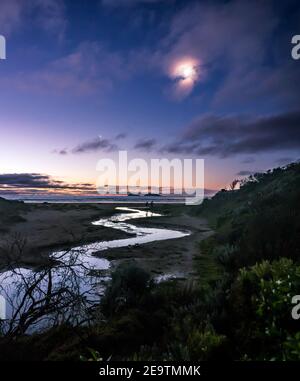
<point x="259" y="221"/>
<point x="258" y="310"/>
<point x="128" y="286"/>
<point x="246" y="317"/>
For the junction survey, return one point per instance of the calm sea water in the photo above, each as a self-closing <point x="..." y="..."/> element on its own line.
<point x="96" y="199"/>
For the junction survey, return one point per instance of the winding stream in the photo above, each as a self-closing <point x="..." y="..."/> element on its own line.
<point x="140" y="235"/>
<point x="10" y="280"/>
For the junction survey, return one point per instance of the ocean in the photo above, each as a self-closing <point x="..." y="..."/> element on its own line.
<point x="134" y="199"/>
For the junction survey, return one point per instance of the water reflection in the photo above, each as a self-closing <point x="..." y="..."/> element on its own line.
<point x="75" y="268"/>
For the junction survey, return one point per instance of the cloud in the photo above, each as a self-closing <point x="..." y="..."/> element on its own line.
<point x="221" y="36"/>
<point x="47" y="15"/>
<point x="242" y="56"/>
<point x="27" y="180"/>
<point x="285" y="160"/>
<point x="233" y="44"/>
<point x="95" y="145"/>
<point x="145" y="144"/>
<point x="12" y="181"/>
<point x="50" y="16"/>
<point x="121" y="136"/>
<point x="130" y="3"/>
<point x="227" y="136"/>
<point x="62" y="151"/>
<point x="10" y="15"/>
<point x="248" y="160"/>
<point x="88" y="70"/>
<point x="245" y="173"/>
<point x="185" y="73"/>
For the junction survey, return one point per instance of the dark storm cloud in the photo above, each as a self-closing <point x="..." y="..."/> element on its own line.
<point x="226" y="136"/>
<point x="95" y="145"/>
<point x="28" y="180"/>
<point x="145" y="144"/>
<point x="37" y="181"/>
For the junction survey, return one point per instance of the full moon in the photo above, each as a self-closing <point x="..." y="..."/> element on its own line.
<point x="186" y="71"/>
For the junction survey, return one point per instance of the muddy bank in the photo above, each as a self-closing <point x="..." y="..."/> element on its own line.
<point x="38" y="229"/>
<point x="174" y="256"/>
<point x="41" y="229"/>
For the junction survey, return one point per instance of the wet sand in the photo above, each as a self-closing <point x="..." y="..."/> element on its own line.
<point x="44" y="228"/>
<point x="173" y="256"/>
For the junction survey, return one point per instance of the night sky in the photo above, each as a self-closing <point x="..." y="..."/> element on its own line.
<point x="203" y="79"/>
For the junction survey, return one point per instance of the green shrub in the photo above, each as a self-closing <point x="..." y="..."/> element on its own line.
<point x="259" y="306"/>
<point x="128" y="286"/>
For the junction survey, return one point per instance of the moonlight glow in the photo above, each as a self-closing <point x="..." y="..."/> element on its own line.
<point x="185" y="72"/>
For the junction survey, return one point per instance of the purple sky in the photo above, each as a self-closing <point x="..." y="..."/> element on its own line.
<point x="202" y="79"/>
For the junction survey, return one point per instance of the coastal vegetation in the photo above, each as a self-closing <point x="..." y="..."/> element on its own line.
<point x="238" y="307"/>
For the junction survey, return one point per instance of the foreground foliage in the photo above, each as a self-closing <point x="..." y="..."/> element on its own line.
<point x="241" y="313"/>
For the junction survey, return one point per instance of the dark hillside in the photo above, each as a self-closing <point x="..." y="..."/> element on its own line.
<point x="261" y="220"/>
